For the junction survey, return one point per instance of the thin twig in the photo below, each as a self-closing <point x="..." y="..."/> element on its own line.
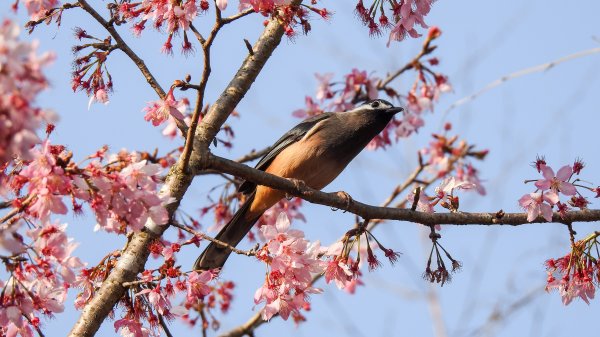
<point x="239" y="15"/>
<point x="213" y="240"/>
<point x="189" y="143"/>
<point x="122" y="45"/>
<point x="164" y="325"/>
<point x="253" y="155"/>
<point x="425" y="50"/>
<point x="16" y="210"/>
<point x="516" y="74"/>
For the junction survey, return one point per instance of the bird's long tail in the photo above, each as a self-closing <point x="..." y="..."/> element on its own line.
<point x="214" y="256"/>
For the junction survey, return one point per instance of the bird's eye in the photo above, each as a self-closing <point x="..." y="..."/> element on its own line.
<point x="375" y="104"/>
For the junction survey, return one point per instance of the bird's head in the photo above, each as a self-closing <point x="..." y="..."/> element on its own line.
<point x="379" y="106"/>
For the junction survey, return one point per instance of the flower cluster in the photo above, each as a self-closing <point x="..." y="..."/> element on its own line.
<point x="292" y="261"/>
<point x="404" y="15"/>
<point x="122" y="193"/>
<point x="21" y="80"/>
<point x="153" y="298"/>
<point x="173" y="16"/>
<point x="447" y="158"/>
<point x="38" y="9"/>
<point x="440" y="274"/>
<point x="90" y="73"/>
<point x="162" y="292"/>
<point x="343" y="269"/>
<point x="548" y="190"/>
<point x="282" y="10"/>
<point x="576" y="274"/>
<point x="166" y="109"/>
<point x="291" y="208"/>
<point x="40" y="269"/>
<point x="359" y="86"/>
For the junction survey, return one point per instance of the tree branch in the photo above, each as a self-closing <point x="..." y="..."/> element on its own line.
<point x="256" y="320"/>
<point x="239" y="85"/>
<point x="213" y="240"/>
<point x="519" y="73"/>
<point x="373" y="212"/>
<point x="123" y="46"/>
<point x="134" y="257"/>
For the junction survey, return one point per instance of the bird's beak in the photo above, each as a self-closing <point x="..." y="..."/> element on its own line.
<point x="394" y="110"/>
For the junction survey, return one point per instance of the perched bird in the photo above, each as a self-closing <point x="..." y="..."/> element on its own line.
<point x="315" y="151"/>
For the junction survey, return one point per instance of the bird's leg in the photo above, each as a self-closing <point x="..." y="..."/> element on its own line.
<point x="347" y="198"/>
<point x="298" y="184"/>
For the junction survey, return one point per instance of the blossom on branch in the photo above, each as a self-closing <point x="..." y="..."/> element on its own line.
<point x="292" y="261"/>
<point x="401" y="17"/>
<point x="551" y="187"/>
<point x="21" y="81"/>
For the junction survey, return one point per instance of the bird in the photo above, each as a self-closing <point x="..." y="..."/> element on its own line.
<point x="314" y="152"/>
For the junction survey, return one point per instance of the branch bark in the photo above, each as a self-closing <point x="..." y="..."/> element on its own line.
<point x="373" y="212"/>
<point x="177" y="182"/>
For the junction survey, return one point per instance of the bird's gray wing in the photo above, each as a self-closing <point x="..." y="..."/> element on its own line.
<point x="290" y="137"/>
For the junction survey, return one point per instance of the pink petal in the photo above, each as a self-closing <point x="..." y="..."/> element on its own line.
<point x="551" y="197"/>
<point x="543" y="184"/>
<point x="567" y="188"/>
<point x="525" y="200"/>
<point x="564" y="173"/>
<point x="547" y="172"/>
<point x="283" y="223"/>
<point x="533" y="212"/>
<point x="546" y="212"/>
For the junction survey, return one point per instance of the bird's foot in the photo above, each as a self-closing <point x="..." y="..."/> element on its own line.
<point x="298" y="184"/>
<point x="347" y="198"/>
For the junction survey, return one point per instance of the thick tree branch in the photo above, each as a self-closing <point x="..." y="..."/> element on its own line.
<point x="134" y="257"/>
<point x="235" y="91"/>
<point x="373" y="212"/>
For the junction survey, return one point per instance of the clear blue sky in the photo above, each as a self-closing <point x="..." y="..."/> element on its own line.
<point x="553" y="113"/>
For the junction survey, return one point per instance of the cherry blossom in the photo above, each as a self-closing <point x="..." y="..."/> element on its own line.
<point x="359" y="86"/>
<point x="549" y="189"/>
<point x="538" y="203"/>
<point x="402" y="19"/>
<point x="558" y="182"/>
<point x="292" y="261"/>
<point x="160" y="111"/>
<point x="21" y="81"/>
<point x="577" y="274"/>
<point x="38" y="8"/>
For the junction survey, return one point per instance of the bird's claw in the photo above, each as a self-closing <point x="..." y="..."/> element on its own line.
<point x="347" y="198"/>
<point x="298" y="184"/>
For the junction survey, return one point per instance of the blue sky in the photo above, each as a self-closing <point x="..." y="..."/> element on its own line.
<point x="552" y="113"/>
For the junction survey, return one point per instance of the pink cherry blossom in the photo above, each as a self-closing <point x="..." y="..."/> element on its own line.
<point x="197" y="286"/>
<point x="100" y="96"/>
<point x="159" y="111"/>
<point x="37" y="8"/>
<point x="292" y="261"/>
<point x="157" y="299"/>
<point x="339" y="272"/>
<point x="558" y="182"/>
<point x="21" y="81"/>
<point x="538" y="203"/>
